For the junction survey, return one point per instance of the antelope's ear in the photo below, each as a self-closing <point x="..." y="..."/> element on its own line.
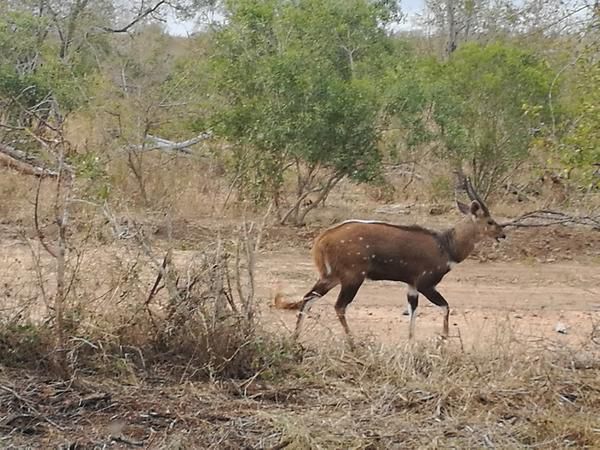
<point x="476" y="209"/>
<point x="463" y="208"/>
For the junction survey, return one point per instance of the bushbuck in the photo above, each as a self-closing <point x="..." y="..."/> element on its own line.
<point x="355" y="250"/>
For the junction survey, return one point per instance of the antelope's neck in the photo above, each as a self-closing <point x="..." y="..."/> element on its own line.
<point x="461" y="240"/>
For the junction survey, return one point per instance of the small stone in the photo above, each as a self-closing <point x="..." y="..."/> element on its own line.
<point x="561" y="328"/>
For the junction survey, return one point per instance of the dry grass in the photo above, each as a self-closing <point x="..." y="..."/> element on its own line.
<point x="416" y="397"/>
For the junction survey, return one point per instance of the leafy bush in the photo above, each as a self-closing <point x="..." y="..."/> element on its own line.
<point x="488" y="100"/>
<point x="298" y="81"/>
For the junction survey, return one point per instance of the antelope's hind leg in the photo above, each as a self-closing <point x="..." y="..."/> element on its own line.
<point x="436" y="298"/>
<point x="347" y="294"/>
<point x="321" y="287"/>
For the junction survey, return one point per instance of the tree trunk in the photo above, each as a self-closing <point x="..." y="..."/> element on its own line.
<point x="452" y="34"/>
<point x="321" y="198"/>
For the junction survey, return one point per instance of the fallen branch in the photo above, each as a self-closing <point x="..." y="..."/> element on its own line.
<point x="126" y="441"/>
<point x="23" y="162"/>
<point x="87" y="401"/>
<point x="158" y="143"/>
<point x="29" y="404"/>
<point x="546" y="218"/>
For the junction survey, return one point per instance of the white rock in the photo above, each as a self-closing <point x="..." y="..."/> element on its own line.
<point x="561" y="328"/>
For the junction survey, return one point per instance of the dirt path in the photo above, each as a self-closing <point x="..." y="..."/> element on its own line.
<point x="490" y="302"/>
<point x="508" y="302"/>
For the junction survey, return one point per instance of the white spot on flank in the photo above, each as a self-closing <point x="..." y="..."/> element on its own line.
<point x="363" y="273"/>
<point x="358" y="253"/>
<point x="367" y="246"/>
<point x="360" y="238"/>
<point x="373" y="256"/>
<point x="342" y="241"/>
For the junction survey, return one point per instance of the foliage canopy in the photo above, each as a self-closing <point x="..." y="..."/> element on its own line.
<point x="300" y="83"/>
<point x="489" y="101"/>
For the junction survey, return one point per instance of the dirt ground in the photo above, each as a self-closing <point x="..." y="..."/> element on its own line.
<point x="522" y="301"/>
<point x="520" y="290"/>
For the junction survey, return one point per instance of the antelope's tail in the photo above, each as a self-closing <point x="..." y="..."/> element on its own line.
<point x="280" y="303"/>
<point x="320" y="261"/>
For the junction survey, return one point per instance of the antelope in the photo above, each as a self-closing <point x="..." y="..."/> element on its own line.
<point x="355" y="250"/>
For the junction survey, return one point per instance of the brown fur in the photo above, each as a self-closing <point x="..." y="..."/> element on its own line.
<point x="352" y="251"/>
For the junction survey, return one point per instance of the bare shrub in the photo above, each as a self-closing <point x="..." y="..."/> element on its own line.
<point x="125" y="309"/>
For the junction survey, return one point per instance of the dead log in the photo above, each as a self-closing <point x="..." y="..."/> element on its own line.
<point x="158" y="143"/>
<point x="23" y="162"/>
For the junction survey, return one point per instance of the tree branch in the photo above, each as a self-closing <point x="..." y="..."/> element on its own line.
<point x="142" y="15"/>
<point x="546" y="218"/>
<point x="36" y="221"/>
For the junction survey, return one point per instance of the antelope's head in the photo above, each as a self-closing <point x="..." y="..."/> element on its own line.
<point x="485" y="225"/>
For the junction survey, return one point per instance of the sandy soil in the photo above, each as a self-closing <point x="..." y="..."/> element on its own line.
<point x="510" y="302"/>
<point x="492" y="296"/>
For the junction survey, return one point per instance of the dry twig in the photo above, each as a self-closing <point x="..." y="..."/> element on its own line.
<point x="546" y="218"/>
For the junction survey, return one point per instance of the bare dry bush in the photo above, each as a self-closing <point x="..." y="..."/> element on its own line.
<point x="186" y="186"/>
<point x="126" y="310"/>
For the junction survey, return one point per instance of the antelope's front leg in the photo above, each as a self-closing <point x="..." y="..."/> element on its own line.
<point x="413" y="302"/>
